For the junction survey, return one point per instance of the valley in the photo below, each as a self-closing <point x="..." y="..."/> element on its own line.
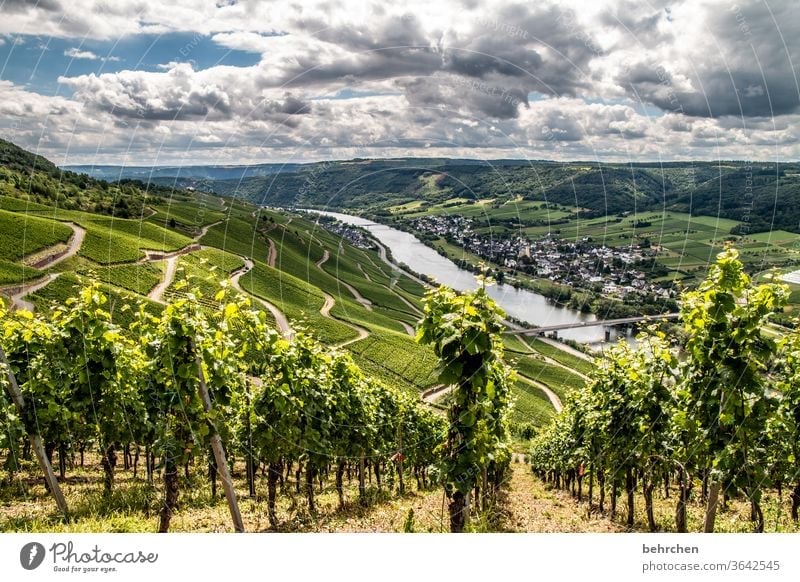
<point x="359" y="286"/>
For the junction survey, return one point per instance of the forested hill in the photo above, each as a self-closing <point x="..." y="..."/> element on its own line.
<point x="764" y="194"/>
<point x="38" y="180"/>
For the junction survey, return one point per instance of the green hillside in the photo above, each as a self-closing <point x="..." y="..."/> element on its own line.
<point x="153" y="244"/>
<point x="737" y="190"/>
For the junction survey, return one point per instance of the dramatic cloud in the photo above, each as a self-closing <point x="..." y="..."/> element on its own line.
<point x="579" y="79"/>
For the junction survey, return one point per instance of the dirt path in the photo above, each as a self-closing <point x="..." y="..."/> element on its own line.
<point x="157" y="293"/>
<point x="204" y="230"/>
<point x="366" y="303"/>
<point x="325" y="311"/>
<point x="433" y="395"/>
<point x="73" y="246"/>
<point x="45" y="258"/>
<point x="411" y="306"/>
<point x="17" y="301"/>
<point x="280" y="319"/>
<point x="409" y="330"/>
<point x="530" y="506"/>
<point x="553" y="362"/>
<point x="552" y="396"/>
<point x="363" y="272"/>
<point x="374" y="264"/>
<point x="385" y="258"/>
<point x="273" y="253"/>
<point x="566" y="348"/>
<point x="325" y="256"/>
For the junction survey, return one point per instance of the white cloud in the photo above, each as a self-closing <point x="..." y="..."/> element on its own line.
<point x="76" y="53"/>
<point x="616" y="77"/>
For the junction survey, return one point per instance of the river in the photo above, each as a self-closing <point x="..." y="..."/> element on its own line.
<point x="521" y="304"/>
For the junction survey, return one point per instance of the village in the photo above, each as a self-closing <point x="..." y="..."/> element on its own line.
<point x="353" y="234"/>
<point x="612" y="271"/>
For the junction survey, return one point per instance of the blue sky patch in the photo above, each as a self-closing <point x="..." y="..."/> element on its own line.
<point x="36" y="62"/>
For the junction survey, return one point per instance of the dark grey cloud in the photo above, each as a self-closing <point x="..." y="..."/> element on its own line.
<point x="25" y="5"/>
<point x="747" y="70"/>
<point x="558" y="127"/>
<point x="451" y="95"/>
<point x="492" y="55"/>
<point x="639" y="22"/>
<point x="520" y="48"/>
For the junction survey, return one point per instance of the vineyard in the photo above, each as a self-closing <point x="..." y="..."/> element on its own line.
<point x="710" y="423"/>
<point x="22" y="235"/>
<point x="187" y="392"/>
<point x="691" y="430"/>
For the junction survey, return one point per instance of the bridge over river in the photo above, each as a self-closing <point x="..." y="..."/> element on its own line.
<point x="554" y="329"/>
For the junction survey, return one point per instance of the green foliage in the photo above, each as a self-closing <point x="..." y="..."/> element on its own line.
<point x="399" y="355"/>
<point x="645" y="413"/>
<point x="14" y="273"/>
<point x="464" y="331"/>
<point x="724" y="388"/>
<point x="121" y="241"/>
<point x="22" y="235"/>
<point x="139" y="278"/>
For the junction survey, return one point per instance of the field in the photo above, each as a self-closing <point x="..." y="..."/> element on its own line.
<point x="685" y="243"/>
<point x="22" y="235"/>
<point x="110" y="241"/>
<point x="526" y="505"/>
<point x="13" y="273"/>
<point x="237" y="236"/>
<point x="139" y="278"/>
<point x="558" y="379"/>
<point x="298" y="300"/>
<point x="530" y="405"/>
<point x="399" y="356"/>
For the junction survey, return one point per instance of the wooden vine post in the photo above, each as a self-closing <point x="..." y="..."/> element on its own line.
<point x="219" y="452"/>
<point x="35" y="438"/>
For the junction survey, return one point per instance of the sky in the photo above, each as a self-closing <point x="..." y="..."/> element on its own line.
<point x="139" y="82"/>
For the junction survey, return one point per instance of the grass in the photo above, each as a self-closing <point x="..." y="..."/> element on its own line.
<point x="401" y="355"/>
<point x="110" y="241"/>
<point x="576" y="363"/>
<point x="22" y="235"/>
<point x="188" y="217"/>
<point x="525" y="504"/>
<point x="531" y="405"/>
<point x="133" y="507"/>
<point x="300" y="301"/>
<point x="11" y="273"/>
<point x="68" y="284"/>
<point x="237" y="236"/>
<point x="139" y="278"/>
<point x="556" y="378"/>
<point x="204" y="270"/>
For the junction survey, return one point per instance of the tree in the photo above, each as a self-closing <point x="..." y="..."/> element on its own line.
<point x="464" y="331"/>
